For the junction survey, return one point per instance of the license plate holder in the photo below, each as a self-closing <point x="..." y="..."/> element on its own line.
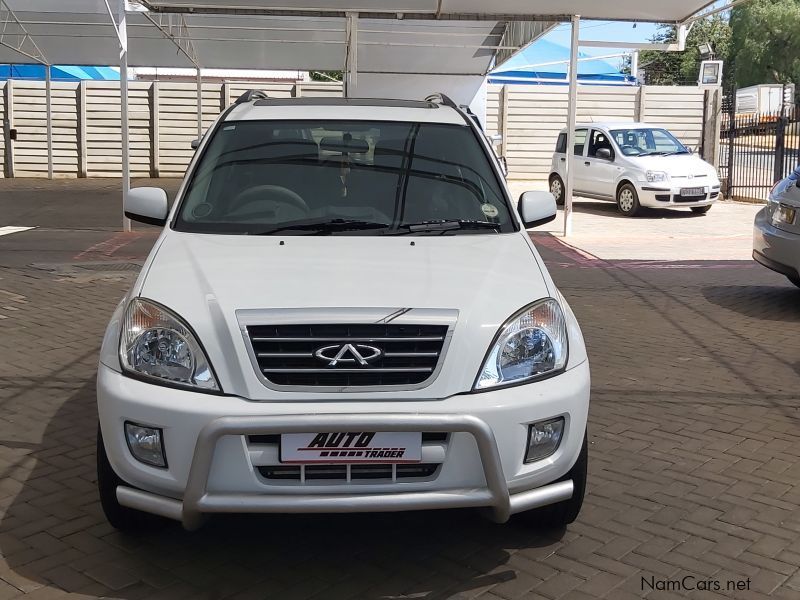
<point x="691" y="192"/>
<point x="368" y="447"/>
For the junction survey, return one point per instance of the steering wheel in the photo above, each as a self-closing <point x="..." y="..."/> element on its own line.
<point x="264" y="194"/>
<point x="629" y="150"/>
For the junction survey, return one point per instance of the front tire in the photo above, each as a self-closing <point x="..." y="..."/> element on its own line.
<point x="121" y="517"/>
<point x="557" y="189"/>
<point x="701" y="210"/>
<point x="561" y="514"/>
<point x="628" y="200"/>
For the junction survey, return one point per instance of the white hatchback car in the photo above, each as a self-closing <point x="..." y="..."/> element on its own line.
<point x="634" y="165"/>
<point x="343" y="313"/>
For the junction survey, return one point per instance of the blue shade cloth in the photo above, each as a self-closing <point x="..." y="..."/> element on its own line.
<point x="519" y="69"/>
<point x="58" y="73"/>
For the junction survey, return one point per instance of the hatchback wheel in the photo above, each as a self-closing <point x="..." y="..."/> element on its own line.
<point x="628" y="200"/>
<point x="557" y="189"/>
<point x="701" y="210"/>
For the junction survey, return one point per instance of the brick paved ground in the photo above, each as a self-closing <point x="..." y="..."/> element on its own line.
<point x="693" y="427"/>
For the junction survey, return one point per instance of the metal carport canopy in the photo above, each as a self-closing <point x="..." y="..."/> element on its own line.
<point x="459" y="37"/>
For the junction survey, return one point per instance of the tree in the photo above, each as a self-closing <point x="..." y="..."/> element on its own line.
<point x="766" y="42"/>
<point x="682" y="68"/>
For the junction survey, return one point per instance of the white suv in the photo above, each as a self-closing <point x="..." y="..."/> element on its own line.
<point x="634" y="165"/>
<point x="343" y="313"/>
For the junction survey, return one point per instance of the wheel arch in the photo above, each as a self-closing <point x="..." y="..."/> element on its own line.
<point x="623" y="180"/>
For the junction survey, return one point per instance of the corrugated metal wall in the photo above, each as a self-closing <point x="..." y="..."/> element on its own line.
<point x="163" y="121"/>
<point x="530" y="117"/>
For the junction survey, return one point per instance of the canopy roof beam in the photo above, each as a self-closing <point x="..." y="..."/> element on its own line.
<point x="177" y="33"/>
<point x="372" y="13"/>
<point x="13" y="35"/>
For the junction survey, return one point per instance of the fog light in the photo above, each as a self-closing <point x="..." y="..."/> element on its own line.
<point x="544" y="438"/>
<point x="145" y="443"/>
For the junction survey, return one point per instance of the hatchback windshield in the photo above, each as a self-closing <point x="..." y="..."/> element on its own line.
<point x="344" y="178"/>
<point x="646" y="142"/>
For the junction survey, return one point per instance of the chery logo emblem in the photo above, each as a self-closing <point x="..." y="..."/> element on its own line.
<point x="348" y="354"/>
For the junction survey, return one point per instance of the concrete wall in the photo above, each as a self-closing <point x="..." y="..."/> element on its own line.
<point x="163" y="119"/>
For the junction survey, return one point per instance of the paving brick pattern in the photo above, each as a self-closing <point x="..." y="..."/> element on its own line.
<point x="694" y="467"/>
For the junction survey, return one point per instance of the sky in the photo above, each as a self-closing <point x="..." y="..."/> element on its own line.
<point x="607" y="31"/>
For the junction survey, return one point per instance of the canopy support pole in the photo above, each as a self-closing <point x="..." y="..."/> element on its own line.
<point x="351" y="54"/>
<point x="123" y="100"/>
<point x="49" y="109"/>
<point x="199" y="104"/>
<point x="572" y="109"/>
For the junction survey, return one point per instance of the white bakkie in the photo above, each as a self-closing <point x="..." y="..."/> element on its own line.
<point x="343" y="313"/>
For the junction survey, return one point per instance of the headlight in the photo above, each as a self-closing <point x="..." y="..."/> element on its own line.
<point x="156" y="343"/>
<point x="530" y="345"/>
<point x="653" y="176"/>
<point x="783" y="214"/>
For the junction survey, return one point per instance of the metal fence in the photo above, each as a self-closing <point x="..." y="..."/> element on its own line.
<point x="757" y="149"/>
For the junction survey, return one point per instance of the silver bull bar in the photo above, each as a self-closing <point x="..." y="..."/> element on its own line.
<point x="197" y="501"/>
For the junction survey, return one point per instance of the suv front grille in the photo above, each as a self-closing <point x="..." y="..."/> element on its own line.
<point x="304" y="355"/>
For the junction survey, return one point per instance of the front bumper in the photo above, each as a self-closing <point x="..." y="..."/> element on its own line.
<point x="660" y="195"/>
<point x="775" y="248"/>
<point x="211" y="468"/>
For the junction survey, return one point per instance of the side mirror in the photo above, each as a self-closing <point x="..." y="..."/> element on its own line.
<point x="536" y="208"/>
<point x="604" y="153"/>
<point x="147" y="205"/>
<point x="196" y="143"/>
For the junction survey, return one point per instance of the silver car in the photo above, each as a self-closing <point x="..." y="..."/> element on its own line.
<point x="776" y="234"/>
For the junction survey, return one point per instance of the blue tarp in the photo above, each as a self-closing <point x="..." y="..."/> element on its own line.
<point x="57" y="72"/>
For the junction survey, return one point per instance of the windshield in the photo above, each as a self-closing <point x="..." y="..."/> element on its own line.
<point x="647" y="141"/>
<point x="344" y="178"/>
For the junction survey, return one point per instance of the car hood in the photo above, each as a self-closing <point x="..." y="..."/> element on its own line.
<point x="678" y="164"/>
<point x="207" y="278"/>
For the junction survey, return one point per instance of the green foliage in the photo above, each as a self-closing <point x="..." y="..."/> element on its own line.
<point x="766" y="42"/>
<point x="682" y="68"/>
<point x="326" y="75"/>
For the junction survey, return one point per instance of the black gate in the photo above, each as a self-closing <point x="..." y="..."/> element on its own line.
<point x="757" y="149"/>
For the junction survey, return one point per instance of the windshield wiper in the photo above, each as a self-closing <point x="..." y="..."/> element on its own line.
<point x="676" y="152"/>
<point x="324" y="227"/>
<point x="444" y="226"/>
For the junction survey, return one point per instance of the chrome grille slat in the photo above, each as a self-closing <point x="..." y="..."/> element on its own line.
<point x="301" y="355"/>
<point x="345" y="339"/>
<point x="340" y="370"/>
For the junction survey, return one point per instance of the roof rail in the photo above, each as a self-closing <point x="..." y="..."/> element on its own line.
<point x="441" y="98"/>
<point x="251" y="95"/>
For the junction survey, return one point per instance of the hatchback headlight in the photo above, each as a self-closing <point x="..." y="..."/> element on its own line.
<point x="653" y="176"/>
<point x="158" y="344"/>
<point x="530" y="345"/>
